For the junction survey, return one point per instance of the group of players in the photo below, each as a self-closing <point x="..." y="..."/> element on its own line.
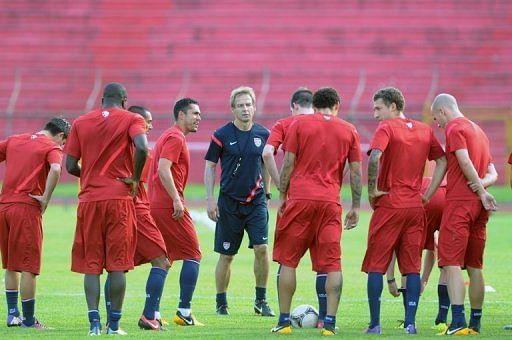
<point x="120" y="225"/>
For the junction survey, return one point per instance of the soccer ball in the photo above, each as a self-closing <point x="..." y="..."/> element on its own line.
<point x="304" y="316"/>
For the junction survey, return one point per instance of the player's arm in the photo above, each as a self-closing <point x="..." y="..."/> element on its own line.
<point x="209" y="182"/>
<point x="437" y="178"/>
<point x="266" y="178"/>
<point x="471" y="175"/>
<point x="167" y="180"/>
<point x="284" y="179"/>
<point x="390" y="277"/>
<point x="489" y="179"/>
<point x="270" y="163"/>
<point x="141" y="153"/>
<point x="72" y="166"/>
<point x="373" y="173"/>
<point x="51" y="182"/>
<point x="352" y="217"/>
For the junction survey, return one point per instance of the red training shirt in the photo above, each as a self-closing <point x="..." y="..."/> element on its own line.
<point x="278" y="132"/>
<point x="461" y="133"/>
<point x="406" y="145"/>
<point x="28" y="158"/>
<point x="103" y="140"/>
<point x="322" y="145"/>
<point x="171" y="145"/>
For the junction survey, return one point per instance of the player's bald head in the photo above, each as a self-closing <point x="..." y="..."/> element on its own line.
<point x="446" y="101"/>
<point x="114" y="91"/>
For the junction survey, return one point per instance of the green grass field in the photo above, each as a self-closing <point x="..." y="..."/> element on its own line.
<point x="61" y="302"/>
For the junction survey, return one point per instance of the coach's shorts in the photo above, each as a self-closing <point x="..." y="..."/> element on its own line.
<point x="179" y="235"/>
<point x="234" y="218"/>
<point x="150" y="243"/>
<point x="105" y="237"/>
<point x="395" y="230"/>
<point x="21" y="237"/>
<point x="463" y="234"/>
<point x="433" y="224"/>
<point x="313" y="225"/>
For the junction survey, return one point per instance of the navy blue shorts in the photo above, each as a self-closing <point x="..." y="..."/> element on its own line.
<point x="234" y="218"/>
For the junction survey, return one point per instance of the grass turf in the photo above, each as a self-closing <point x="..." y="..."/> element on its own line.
<point x="61" y="303"/>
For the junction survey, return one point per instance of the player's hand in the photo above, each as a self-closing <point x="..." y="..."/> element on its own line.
<point x="424" y="200"/>
<point x="372" y="197"/>
<point x="393" y="289"/>
<point x="132" y="184"/>
<point x="282" y="206"/>
<point x="488" y="201"/>
<point x="423" y="285"/>
<point x="42" y="202"/>
<point x="179" y="209"/>
<point x="212" y="210"/>
<point x="351" y="219"/>
<point x="475" y="186"/>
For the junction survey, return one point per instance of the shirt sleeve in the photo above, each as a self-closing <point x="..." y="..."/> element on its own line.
<point x="3" y="150"/>
<point x="215" y="149"/>
<point x="72" y="146"/>
<point x="276" y="137"/>
<point x="354" y="154"/>
<point x="436" y="150"/>
<point x="510" y="159"/>
<point x="381" y="138"/>
<point x="291" y="140"/>
<point x="54" y="156"/>
<point x="457" y="140"/>
<point x="172" y="148"/>
<point x="137" y="126"/>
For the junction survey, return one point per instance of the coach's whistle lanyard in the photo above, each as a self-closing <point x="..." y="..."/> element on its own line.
<point x="240" y="154"/>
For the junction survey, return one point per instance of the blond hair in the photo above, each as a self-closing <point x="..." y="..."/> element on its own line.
<point x="242" y="90"/>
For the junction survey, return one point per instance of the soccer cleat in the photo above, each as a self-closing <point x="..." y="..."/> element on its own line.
<point x="411" y="329"/>
<point x="373" y="330"/>
<point x="320" y="324"/>
<point x="222" y="310"/>
<point x="148" y="324"/>
<point x="328" y="331"/>
<point x="455" y="331"/>
<point x="262" y="308"/>
<point x="507" y="327"/>
<point x="95" y="330"/>
<point x="182" y="320"/>
<point x="474" y="331"/>
<point x="13" y="321"/>
<point x="440" y="327"/>
<point x="285" y="328"/>
<point x="119" y="331"/>
<point x="37" y="325"/>
<point x="162" y="322"/>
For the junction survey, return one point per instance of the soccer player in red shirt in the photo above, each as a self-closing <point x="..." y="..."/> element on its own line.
<point x="33" y="165"/>
<point x="301" y="103"/>
<point x="167" y="181"/>
<point x="398" y="153"/>
<point x="310" y="201"/>
<point x="463" y="227"/>
<point x="105" y="236"/>
<point x="509" y="327"/>
<point x="150" y="246"/>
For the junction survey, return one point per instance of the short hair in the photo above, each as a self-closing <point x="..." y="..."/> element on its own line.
<point x="182" y="105"/>
<point x="57" y="125"/>
<point x="326" y="98"/>
<point x="141" y="110"/>
<point x="115" y="91"/>
<point x="391" y="95"/>
<point x="242" y="90"/>
<point x="302" y="97"/>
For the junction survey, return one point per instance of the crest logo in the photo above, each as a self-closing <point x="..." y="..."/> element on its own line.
<point x="257" y="141"/>
<point x="33" y="137"/>
<point x="226" y="245"/>
<point x="409" y="125"/>
<point x="105" y="114"/>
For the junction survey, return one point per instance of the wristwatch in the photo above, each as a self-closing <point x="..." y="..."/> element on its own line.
<point x="268" y="195"/>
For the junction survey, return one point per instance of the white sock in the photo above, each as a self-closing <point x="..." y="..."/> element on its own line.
<point x="185" y="311"/>
<point x="157" y="315"/>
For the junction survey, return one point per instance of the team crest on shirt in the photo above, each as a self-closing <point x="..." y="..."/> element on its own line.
<point x="33" y="137"/>
<point x="409" y="125"/>
<point x="105" y="114"/>
<point x="226" y="245"/>
<point x="257" y="141"/>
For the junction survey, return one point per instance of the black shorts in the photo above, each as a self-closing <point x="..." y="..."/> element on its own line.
<point x="234" y="218"/>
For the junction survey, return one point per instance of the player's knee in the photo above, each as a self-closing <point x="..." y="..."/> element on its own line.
<point x="161" y="262"/>
<point x="261" y="250"/>
<point x="226" y="259"/>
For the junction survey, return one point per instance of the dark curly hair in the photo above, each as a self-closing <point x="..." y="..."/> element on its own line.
<point x="182" y="105"/>
<point x="57" y="125"/>
<point x="326" y="98"/>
